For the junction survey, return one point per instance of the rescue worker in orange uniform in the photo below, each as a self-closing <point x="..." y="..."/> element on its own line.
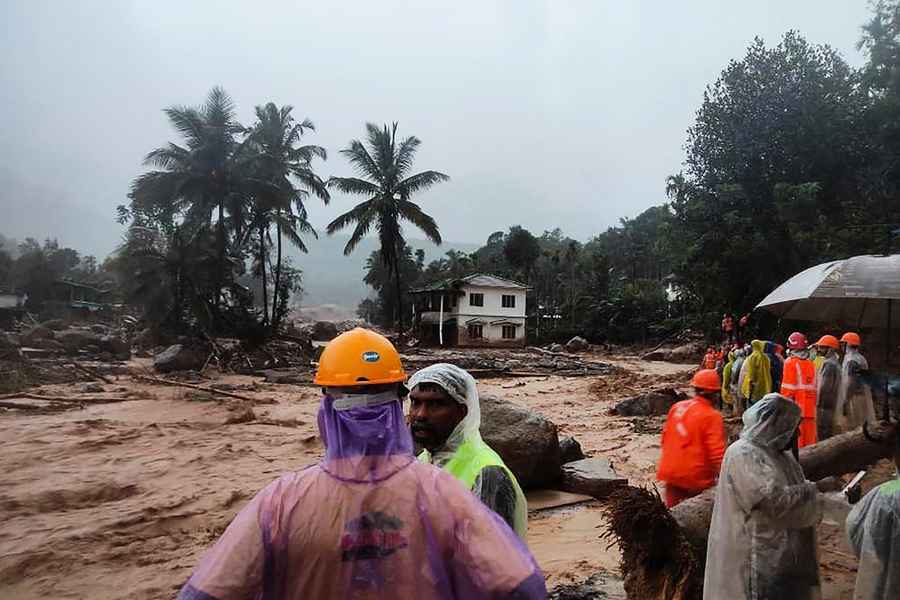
<point x="709" y="359"/>
<point x="798" y="383"/>
<point x="693" y="441"/>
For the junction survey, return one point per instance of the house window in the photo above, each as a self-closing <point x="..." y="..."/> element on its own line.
<point x="509" y="301"/>
<point x="476" y="332"/>
<point x="509" y="332"/>
<point x="454" y="299"/>
<point x="476" y="299"/>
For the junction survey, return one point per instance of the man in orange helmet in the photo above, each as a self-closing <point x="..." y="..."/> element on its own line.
<point x="693" y="441"/>
<point x="828" y="385"/>
<point x="369" y="521"/>
<point x="854" y="405"/>
<point x="798" y="383"/>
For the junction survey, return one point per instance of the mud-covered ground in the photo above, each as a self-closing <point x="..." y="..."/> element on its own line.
<point x="120" y="500"/>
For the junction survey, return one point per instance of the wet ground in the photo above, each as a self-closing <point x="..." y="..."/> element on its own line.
<point x="120" y="500"/>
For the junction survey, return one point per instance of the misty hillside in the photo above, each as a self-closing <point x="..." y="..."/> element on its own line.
<point x="329" y="277"/>
<point x="33" y="210"/>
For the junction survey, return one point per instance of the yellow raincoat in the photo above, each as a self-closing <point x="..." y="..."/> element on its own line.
<point x="756" y="381"/>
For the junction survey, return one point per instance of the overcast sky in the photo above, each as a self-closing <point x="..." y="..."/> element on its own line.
<point x="544" y="113"/>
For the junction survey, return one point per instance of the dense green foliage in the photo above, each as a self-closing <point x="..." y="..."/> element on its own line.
<point x="793" y="160"/>
<point x="209" y="213"/>
<point x="34" y="269"/>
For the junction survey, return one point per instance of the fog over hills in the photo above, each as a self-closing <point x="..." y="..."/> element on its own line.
<point x="329" y="277"/>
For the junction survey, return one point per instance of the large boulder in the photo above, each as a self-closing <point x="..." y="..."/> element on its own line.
<point x="527" y="442"/>
<point x="33" y="336"/>
<point x="324" y="331"/>
<point x="74" y="340"/>
<point x="556" y="348"/>
<point x="578" y="344"/>
<point x="592" y="476"/>
<point x="118" y="347"/>
<point x="658" y="354"/>
<point x="178" y="358"/>
<point x="570" y="450"/>
<point x="687" y="353"/>
<point x="653" y="403"/>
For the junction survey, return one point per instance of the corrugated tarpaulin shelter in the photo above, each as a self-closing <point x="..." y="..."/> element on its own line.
<point x="858" y="291"/>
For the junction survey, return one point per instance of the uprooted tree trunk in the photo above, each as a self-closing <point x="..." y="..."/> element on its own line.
<point x="664" y="552"/>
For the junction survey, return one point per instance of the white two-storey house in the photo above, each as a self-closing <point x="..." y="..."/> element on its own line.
<point x="478" y="310"/>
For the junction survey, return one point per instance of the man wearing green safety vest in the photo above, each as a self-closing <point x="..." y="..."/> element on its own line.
<point x="445" y="419"/>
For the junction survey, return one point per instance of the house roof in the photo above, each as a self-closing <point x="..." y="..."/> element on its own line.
<point x="478" y="279"/>
<point x="483" y="280"/>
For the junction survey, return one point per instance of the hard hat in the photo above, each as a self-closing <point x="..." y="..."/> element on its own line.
<point x="852" y="339"/>
<point x="797" y="341"/>
<point x="706" y="379"/>
<point x="359" y="357"/>
<point x="829" y="341"/>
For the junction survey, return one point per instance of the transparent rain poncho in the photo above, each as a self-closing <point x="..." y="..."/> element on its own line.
<point x="369" y="521"/>
<point x="467" y="456"/>
<point x="873" y="528"/>
<point x="762" y="541"/>
<point x="739" y="404"/>
<point x="828" y="387"/>
<point x="854" y="400"/>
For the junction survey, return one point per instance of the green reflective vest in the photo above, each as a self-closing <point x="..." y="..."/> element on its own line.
<point x="468" y="461"/>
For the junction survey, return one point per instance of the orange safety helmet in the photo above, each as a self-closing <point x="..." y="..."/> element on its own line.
<point x="829" y="341"/>
<point x="359" y="357"/>
<point x="707" y="379"/>
<point x="851" y="339"/>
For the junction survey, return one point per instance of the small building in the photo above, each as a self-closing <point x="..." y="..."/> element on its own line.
<point x="478" y="310"/>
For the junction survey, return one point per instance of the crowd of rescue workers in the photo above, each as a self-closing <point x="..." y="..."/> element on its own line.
<point x="373" y="520"/>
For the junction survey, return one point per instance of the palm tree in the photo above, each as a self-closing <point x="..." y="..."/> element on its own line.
<point x="199" y="177"/>
<point x="384" y="180"/>
<point x="280" y="161"/>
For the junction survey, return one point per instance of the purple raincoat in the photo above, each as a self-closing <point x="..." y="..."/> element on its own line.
<point x="368" y="522"/>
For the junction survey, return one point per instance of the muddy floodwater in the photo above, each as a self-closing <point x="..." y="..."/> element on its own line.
<point x="120" y="500"/>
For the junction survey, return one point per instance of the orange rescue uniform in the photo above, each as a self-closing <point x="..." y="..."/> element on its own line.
<point x="799" y="384"/>
<point x="693" y="443"/>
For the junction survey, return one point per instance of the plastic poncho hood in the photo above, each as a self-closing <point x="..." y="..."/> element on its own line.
<point x="762" y="542"/>
<point x="756" y="373"/>
<point x="465" y="453"/>
<point x="461" y="386"/>
<point x="771" y="422"/>
<point x="873" y="528"/>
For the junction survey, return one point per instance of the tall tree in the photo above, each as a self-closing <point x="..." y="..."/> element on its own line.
<point x="881" y="80"/>
<point x="286" y="165"/>
<point x="772" y="181"/>
<point x="521" y="250"/>
<point x="384" y="179"/>
<point x="200" y="177"/>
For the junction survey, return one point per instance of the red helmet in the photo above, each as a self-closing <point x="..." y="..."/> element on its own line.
<point x="797" y="341"/>
<point x="706" y="379"/>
